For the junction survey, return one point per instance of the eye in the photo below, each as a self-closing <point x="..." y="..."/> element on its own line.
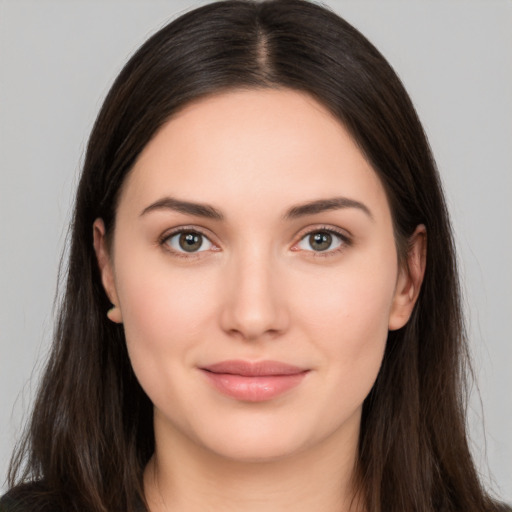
<point x="322" y="240"/>
<point x="188" y="242"/>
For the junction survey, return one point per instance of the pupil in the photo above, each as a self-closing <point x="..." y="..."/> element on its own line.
<point x="320" y="241"/>
<point x="190" y="242"/>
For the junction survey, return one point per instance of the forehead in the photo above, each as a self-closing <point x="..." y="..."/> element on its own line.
<point x="279" y="145"/>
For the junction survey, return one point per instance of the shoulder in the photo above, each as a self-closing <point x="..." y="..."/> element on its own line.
<point x="32" y="497"/>
<point x="35" y="497"/>
<point x="8" y="504"/>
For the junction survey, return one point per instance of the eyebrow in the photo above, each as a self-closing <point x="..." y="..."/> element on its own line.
<point x="323" y="205"/>
<point x="301" y="210"/>
<point x="187" y="207"/>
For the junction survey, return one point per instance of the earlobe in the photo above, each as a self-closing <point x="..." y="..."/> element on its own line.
<point x="114" y="315"/>
<point x="409" y="280"/>
<point x="106" y="270"/>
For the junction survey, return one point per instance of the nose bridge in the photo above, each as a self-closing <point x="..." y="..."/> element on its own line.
<point x="254" y="305"/>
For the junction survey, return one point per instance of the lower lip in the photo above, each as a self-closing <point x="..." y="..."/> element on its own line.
<point x="254" y="389"/>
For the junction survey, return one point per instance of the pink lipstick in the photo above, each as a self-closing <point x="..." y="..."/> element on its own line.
<point x="253" y="382"/>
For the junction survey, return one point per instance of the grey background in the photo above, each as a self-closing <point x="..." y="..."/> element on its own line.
<point x="57" y="60"/>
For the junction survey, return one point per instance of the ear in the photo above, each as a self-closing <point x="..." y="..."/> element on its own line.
<point x="410" y="278"/>
<point x="106" y="269"/>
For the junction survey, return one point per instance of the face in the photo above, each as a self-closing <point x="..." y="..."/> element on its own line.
<point x="254" y="268"/>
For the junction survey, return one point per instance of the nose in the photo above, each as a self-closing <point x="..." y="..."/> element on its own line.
<point x="254" y="306"/>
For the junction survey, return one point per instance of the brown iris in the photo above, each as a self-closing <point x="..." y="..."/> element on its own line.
<point x="320" y="241"/>
<point x="190" y="242"/>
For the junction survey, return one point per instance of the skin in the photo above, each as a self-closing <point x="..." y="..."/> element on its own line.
<point x="256" y="290"/>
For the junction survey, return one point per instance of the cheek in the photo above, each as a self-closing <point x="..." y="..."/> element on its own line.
<point x="346" y="313"/>
<point x="351" y="300"/>
<point x="164" y="313"/>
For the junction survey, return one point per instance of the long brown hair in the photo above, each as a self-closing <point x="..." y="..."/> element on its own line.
<point x="91" y="432"/>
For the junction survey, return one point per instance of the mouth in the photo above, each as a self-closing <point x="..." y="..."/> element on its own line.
<point x="253" y="382"/>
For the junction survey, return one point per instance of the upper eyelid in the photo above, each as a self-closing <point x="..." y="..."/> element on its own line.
<point x="343" y="233"/>
<point x="183" y="229"/>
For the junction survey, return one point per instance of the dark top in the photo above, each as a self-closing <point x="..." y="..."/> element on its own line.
<point x="9" y="503"/>
<point x="24" y="501"/>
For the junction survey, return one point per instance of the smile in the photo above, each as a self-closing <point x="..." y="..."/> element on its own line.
<point x="253" y="382"/>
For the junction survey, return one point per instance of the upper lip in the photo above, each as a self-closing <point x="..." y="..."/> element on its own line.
<point x="253" y="369"/>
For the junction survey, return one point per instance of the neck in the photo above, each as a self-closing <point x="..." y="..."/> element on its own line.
<point x="185" y="477"/>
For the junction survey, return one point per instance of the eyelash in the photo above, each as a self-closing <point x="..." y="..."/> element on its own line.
<point x="343" y="238"/>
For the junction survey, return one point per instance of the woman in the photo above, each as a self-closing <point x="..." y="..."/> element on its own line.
<point x="214" y="353"/>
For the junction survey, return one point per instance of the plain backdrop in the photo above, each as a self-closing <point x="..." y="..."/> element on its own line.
<point x="57" y="61"/>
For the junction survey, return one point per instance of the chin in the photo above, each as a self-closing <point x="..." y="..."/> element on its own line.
<point x="248" y="436"/>
<point x="269" y="438"/>
<point x="257" y="450"/>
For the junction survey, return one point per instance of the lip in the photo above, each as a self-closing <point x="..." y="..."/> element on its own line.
<point x="253" y="381"/>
